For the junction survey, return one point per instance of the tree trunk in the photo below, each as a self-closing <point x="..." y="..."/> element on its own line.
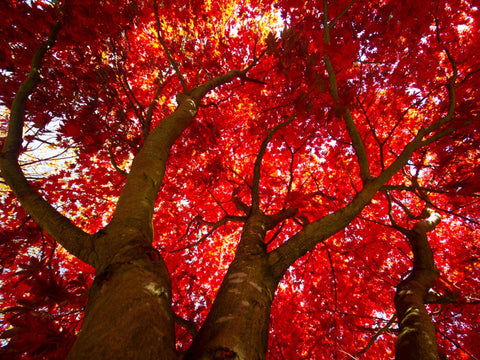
<point x="238" y="322"/>
<point x="129" y="314"/>
<point x="416" y="338"/>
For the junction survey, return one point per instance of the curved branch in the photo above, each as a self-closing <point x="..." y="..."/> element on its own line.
<point x="73" y="239"/>
<point x="135" y="207"/>
<point x="114" y="163"/>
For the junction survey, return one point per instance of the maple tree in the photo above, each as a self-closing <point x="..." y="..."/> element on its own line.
<point x="240" y="180"/>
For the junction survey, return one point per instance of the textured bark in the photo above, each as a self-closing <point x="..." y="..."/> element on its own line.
<point x="238" y="322"/>
<point x="129" y="315"/>
<point x="416" y="338"/>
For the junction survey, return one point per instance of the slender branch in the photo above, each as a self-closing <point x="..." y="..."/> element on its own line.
<point x="453" y="213"/>
<point x="114" y="163"/>
<point x="350" y="178"/>
<point x="374" y="133"/>
<point x="357" y="141"/>
<point x="217" y="201"/>
<point x="380" y="331"/>
<point x="334" y="278"/>
<point x="411" y="188"/>
<point x="332" y="23"/>
<point x="466" y="77"/>
<point x="215" y="226"/>
<point x="130" y="95"/>
<point x="457" y="345"/>
<point x="451" y="96"/>
<point x="274" y="236"/>
<point x="390" y="215"/>
<point x="405" y="112"/>
<point x="258" y="161"/>
<point x="151" y="107"/>
<point x="169" y="55"/>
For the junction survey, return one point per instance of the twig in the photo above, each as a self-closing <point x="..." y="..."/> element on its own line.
<point x="332" y="23"/>
<point x="215" y="226"/>
<point x="275" y="235"/>
<point x="376" y="336"/>
<point x="130" y="95"/>
<point x="334" y="278"/>
<point x="456" y="344"/>
<point x="170" y="58"/>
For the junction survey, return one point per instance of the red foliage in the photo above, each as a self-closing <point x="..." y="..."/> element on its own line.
<point x="86" y="117"/>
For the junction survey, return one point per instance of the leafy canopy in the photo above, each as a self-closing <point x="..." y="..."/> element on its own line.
<point x="109" y="80"/>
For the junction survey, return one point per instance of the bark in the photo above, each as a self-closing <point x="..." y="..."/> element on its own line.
<point x="129" y="312"/>
<point x="416" y="339"/>
<point x="238" y="322"/>
<point x="134" y="209"/>
<point x="73" y="239"/>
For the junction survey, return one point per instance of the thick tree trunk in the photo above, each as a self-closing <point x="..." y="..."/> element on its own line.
<point x="238" y="322"/>
<point x="129" y="314"/>
<point x="416" y="338"/>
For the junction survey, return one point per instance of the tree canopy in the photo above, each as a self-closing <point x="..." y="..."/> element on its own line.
<point x="240" y="179"/>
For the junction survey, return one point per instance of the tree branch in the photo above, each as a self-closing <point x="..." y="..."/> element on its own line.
<point x="457" y="345"/>
<point x="215" y="226"/>
<point x="73" y="239"/>
<point x="321" y="229"/>
<point x="151" y="107"/>
<point x="376" y="336"/>
<point x="130" y="95"/>
<point x="114" y="163"/>
<point x="258" y="161"/>
<point x="187" y="324"/>
<point x="170" y="57"/>
<point x="332" y="23"/>
<point x="134" y="210"/>
<point x="412" y="188"/>
<point x="357" y="141"/>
